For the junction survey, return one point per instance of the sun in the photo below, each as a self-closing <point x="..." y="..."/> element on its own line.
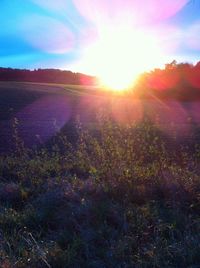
<point x="120" y="54"/>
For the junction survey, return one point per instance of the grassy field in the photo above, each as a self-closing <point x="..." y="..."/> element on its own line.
<point x="16" y="95"/>
<point x="37" y="106"/>
<point x="118" y="196"/>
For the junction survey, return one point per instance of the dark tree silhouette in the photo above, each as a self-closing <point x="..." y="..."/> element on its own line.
<point x="178" y="81"/>
<point x="45" y="76"/>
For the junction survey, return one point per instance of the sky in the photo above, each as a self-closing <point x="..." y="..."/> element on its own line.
<point x="94" y="35"/>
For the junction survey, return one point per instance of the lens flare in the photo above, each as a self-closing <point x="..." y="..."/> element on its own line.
<point x="120" y="54"/>
<point x="124" y="45"/>
<point x="47" y="34"/>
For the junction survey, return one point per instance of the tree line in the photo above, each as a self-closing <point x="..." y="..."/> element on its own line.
<point x="45" y="76"/>
<point x="177" y="80"/>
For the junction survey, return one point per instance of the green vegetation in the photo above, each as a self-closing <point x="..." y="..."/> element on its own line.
<point x="117" y="197"/>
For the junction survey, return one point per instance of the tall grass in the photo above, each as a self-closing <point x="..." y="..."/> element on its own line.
<point x="117" y="197"/>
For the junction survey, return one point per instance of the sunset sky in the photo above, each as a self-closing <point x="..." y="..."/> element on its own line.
<point x="92" y="36"/>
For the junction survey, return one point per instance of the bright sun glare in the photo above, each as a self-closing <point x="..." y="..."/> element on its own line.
<point x="120" y="54"/>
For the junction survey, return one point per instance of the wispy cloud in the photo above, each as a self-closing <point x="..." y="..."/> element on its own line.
<point x="47" y="34"/>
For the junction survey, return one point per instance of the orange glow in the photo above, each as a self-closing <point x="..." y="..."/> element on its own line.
<point x="120" y="54"/>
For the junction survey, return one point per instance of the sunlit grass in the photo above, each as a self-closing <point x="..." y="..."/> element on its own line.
<point x="117" y="196"/>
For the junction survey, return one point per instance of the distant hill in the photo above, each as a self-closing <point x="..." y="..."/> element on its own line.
<point x="45" y="76"/>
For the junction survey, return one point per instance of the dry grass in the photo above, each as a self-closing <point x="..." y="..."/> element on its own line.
<point x="118" y="197"/>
